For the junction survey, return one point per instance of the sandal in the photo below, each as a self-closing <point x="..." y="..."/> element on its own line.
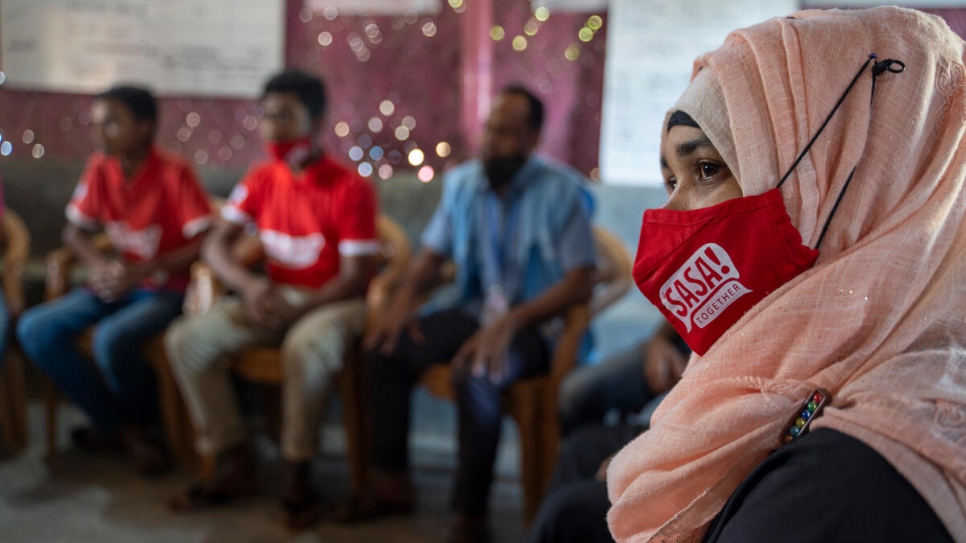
<point x="202" y="495"/>
<point x="301" y="514"/>
<point x="365" y="508"/>
<point x="150" y="456"/>
<point x="90" y="439"/>
<point x="469" y="530"/>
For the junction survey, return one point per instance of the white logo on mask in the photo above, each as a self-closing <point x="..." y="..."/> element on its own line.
<point x="703" y="287"/>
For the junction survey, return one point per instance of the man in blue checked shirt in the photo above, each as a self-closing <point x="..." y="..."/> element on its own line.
<point x="517" y="227"/>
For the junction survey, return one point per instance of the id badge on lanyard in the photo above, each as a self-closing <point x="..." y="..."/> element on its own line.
<point x="496" y="303"/>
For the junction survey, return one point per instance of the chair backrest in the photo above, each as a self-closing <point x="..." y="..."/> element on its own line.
<point x="16" y="250"/>
<point x="613" y="278"/>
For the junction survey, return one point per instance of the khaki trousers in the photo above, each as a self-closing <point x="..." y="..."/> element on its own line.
<point x="200" y="350"/>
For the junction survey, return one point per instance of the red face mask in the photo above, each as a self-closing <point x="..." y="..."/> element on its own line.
<point x="291" y="151"/>
<point x="706" y="268"/>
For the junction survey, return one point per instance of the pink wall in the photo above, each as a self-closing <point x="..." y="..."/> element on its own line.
<point x="420" y="74"/>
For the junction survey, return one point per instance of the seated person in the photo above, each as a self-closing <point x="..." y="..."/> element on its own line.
<point x="153" y="209"/>
<point x="575" y="507"/>
<point x="628" y="381"/>
<point x="9" y="309"/>
<point x="821" y="287"/>
<point x="316" y="220"/>
<point x="518" y="231"/>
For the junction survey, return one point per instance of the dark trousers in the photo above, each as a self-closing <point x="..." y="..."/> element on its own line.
<point x="826" y="486"/>
<point x="479" y="401"/>
<point x="575" y="508"/>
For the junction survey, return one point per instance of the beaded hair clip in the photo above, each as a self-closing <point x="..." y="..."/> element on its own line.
<point x="811" y="408"/>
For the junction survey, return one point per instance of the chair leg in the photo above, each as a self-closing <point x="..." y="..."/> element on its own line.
<point x="17" y="388"/>
<point x="51" y="400"/>
<point x="177" y="425"/>
<point x="531" y="474"/>
<point x="6" y="409"/>
<point x="355" y="419"/>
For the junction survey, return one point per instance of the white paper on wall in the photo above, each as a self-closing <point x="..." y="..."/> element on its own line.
<point x="572" y="6"/>
<point x="175" y="47"/>
<point x="376" y="7"/>
<point x="651" y="46"/>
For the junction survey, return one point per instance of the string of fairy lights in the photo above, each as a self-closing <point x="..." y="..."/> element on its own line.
<point x="215" y="135"/>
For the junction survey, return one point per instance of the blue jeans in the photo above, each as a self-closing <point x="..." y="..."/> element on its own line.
<point x="120" y="387"/>
<point x="5" y="328"/>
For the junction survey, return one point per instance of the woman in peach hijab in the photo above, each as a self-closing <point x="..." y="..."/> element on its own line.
<point x="812" y="253"/>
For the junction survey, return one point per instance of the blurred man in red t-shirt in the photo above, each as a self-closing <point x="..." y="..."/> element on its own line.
<point x="153" y="208"/>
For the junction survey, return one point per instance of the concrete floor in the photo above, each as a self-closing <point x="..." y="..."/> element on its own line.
<point x="82" y="498"/>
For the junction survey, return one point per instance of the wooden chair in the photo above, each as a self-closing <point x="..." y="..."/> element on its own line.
<point x="13" y="392"/>
<point x="60" y="267"/>
<point x="263" y="365"/>
<point x="532" y="403"/>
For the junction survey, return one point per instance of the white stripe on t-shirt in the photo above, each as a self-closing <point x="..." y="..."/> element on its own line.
<point x="356" y="247"/>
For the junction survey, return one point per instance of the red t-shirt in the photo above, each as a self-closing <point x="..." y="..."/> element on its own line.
<point x="160" y="208"/>
<point x="306" y="221"/>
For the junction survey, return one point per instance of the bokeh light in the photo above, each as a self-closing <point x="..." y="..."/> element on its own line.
<point x="402" y="133"/>
<point x="3" y="78"/>
<point x="585" y="34"/>
<point x="330" y="13"/>
<point x="66" y="124"/>
<point x="385" y="171"/>
<point x="184" y="134"/>
<point x="214" y="136"/>
<point x="542" y="13"/>
<point x="376" y="153"/>
<point x="429" y="29"/>
<point x="28" y="136"/>
<point x="455" y="3"/>
<point x="416" y="157"/>
<point x="201" y="157"/>
<point x="365" y="141"/>
<point x="192" y="119"/>
<point x="365" y="169"/>
<point x="342" y="129"/>
<point x="519" y="43"/>
<point x="6" y="148"/>
<point x="409" y="122"/>
<point x="426" y="174"/>
<point x="225" y="154"/>
<point x="572" y="52"/>
<point x="37" y="151"/>
<point x="237" y="142"/>
<point x="497" y="33"/>
<point x="443" y="149"/>
<point x="595" y="22"/>
<point x="386" y="107"/>
<point x="325" y="39"/>
<point x="356" y="153"/>
<point x="375" y="125"/>
<point x="531" y="28"/>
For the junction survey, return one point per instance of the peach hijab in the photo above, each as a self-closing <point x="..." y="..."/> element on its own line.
<point x="879" y="320"/>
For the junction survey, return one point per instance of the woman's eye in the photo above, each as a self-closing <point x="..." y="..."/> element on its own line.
<point x="707" y="169"/>
<point x="670" y="184"/>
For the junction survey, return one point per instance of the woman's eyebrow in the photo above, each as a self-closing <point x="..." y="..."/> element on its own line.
<point x="688" y="147"/>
